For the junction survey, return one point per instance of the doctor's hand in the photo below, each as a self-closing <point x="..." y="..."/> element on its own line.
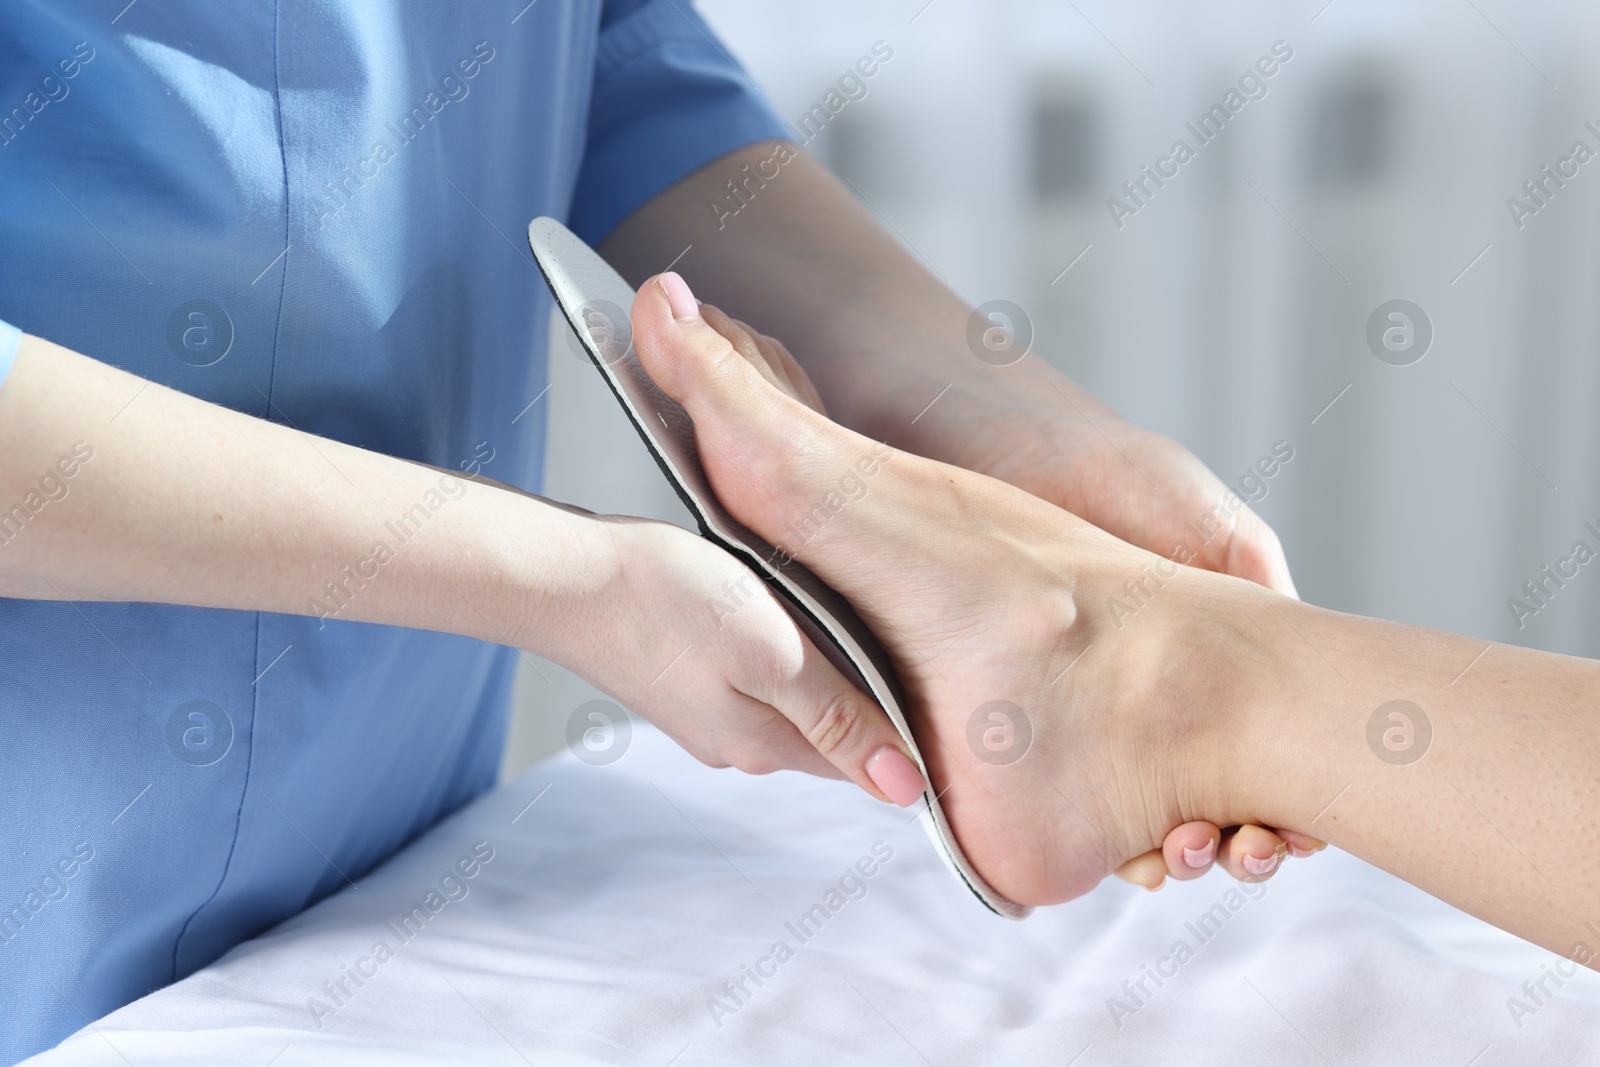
<point x="680" y="631"/>
<point x="1032" y="426"/>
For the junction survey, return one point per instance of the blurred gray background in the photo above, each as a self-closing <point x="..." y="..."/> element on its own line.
<point x="1231" y="309"/>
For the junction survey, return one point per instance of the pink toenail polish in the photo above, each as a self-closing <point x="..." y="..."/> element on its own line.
<point x="895" y="774"/>
<point x="1261" y="867"/>
<point x="682" y="301"/>
<point x="1199" y="857"/>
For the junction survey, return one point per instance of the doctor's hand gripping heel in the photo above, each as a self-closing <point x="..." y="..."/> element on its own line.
<point x="590" y="293"/>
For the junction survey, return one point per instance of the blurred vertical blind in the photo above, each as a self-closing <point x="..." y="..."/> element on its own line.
<point x="1228" y="305"/>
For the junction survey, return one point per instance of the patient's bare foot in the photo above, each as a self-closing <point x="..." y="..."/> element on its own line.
<point x="1249" y="853"/>
<point x="1070" y="735"/>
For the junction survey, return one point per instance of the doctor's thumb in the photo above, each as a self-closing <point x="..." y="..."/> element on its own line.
<point x="847" y="727"/>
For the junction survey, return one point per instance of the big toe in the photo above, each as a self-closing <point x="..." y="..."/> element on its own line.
<point x="779" y="467"/>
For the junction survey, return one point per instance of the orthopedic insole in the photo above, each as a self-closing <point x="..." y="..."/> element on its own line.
<point x="596" y="303"/>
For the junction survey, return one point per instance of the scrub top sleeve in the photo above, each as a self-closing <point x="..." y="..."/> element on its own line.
<point x="10" y="341"/>
<point x="667" y="100"/>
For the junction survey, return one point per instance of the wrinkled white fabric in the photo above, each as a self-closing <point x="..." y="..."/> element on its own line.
<point x="614" y="908"/>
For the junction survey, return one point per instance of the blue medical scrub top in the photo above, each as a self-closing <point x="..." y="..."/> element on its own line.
<point x="311" y="211"/>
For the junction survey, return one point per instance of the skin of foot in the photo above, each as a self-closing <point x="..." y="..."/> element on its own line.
<point x="990" y="603"/>
<point x="1248" y="853"/>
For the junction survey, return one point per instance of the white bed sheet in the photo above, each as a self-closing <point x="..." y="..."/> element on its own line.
<point x="617" y="904"/>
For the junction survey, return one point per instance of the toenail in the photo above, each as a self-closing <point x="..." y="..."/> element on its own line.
<point x="682" y="301"/>
<point x="1199" y="857"/>
<point x="1261" y="867"/>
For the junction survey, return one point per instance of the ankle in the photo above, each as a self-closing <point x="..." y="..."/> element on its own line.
<point x="1208" y="671"/>
<point x="1258" y="755"/>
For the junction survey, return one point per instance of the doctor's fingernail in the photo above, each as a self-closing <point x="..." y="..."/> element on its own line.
<point x="1301" y="853"/>
<point x="895" y="774"/>
<point x="1261" y="867"/>
<point x="684" y="305"/>
<point x="1199" y="857"/>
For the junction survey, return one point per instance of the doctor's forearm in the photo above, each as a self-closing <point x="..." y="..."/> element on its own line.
<point x="899" y="357"/>
<point x="114" y="488"/>
<point x="879" y="334"/>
